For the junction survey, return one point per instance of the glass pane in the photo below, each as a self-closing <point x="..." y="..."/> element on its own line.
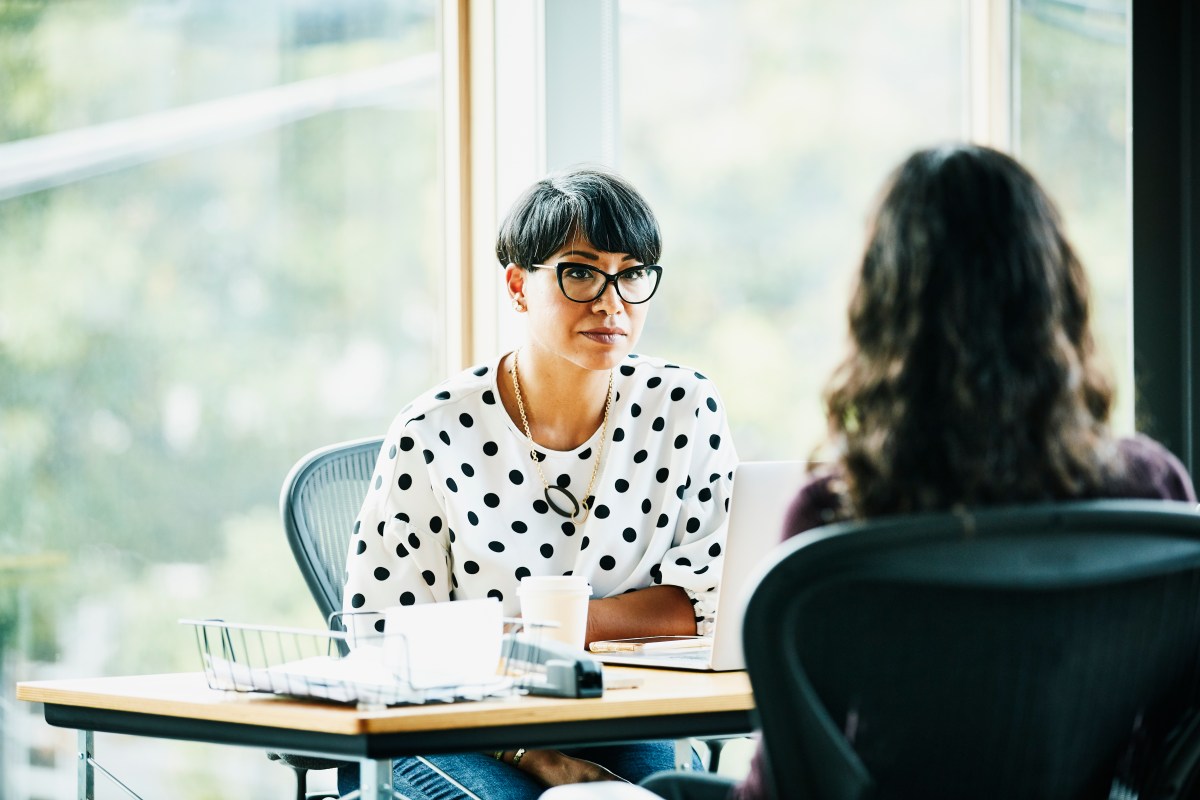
<point x="1073" y="66"/>
<point x="760" y="131"/>
<point x="220" y="248"/>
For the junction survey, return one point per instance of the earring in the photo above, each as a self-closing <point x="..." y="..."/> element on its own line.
<point x="517" y="306"/>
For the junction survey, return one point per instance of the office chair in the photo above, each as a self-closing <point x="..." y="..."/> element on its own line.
<point x="321" y="497"/>
<point x="1014" y="652"/>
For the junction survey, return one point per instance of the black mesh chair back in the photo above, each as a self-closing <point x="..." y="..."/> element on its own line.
<point x="321" y="498"/>
<point x="1013" y="652"/>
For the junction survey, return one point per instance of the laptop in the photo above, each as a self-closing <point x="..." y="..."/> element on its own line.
<point x="762" y="492"/>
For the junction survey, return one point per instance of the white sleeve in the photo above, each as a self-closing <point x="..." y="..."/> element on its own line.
<point x="695" y="559"/>
<point x="400" y="548"/>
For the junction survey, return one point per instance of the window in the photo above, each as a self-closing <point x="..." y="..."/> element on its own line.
<point x="760" y="131"/>
<point x="220" y="247"/>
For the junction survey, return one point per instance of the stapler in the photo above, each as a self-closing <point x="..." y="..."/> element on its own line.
<point x="553" y="669"/>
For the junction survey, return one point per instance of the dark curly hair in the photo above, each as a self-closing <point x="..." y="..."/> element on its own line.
<point x="972" y="377"/>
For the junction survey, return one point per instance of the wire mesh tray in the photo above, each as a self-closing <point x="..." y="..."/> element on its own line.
<point x="326" y="665"/>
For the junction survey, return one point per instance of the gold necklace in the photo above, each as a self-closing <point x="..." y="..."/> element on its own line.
<point x="576" y="506"/>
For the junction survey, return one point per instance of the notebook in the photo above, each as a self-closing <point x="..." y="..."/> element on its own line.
<point x="762" y="492"/>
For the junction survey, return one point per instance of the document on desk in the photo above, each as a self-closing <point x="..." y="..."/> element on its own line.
<point x="358" y="677"/>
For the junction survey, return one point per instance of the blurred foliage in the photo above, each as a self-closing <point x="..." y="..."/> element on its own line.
<point x="175" y="335"/>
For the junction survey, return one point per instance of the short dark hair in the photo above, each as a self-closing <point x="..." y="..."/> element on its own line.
<point x="590" y="202"/>
<point x="972" y="376"/>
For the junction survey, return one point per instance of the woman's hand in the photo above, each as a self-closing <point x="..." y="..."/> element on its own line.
<point x="554" y="768"/>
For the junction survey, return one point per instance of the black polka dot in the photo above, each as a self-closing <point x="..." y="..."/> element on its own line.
<point x="472" y="518"/>
<point x="450" y="532"/>
<point x="629" y="535"/>
<point x="726" y="503"/>
<point x="435" y="524"/>
<point x="583" y="545"/>
<point x="407" y="443"/>
<point x="490" y="449"/>
<point x="405" y="481"/>
<point x="618" y="435"/>
<point x="699" y="376"/>
<point x="392" y="452"/>
<point x="468" y="470"/>
<point x="564" y="480"/>
<point x="517" y="477"/>
<point x="622" y="485"/>
<point x="683" y="562"/>
<point x="378" y="481"/>
<point x="679" y="490"/>
<point x="445" y="437"/>
<point x="646" y="506"/>
<point x="586" y="454"/>
<point x="522" y="572"/>
<point x="496" y="593"/>
<point x="540" y="506"/>
<point x="702" y="570"/>
<point x="489" y="398"/>
<point x="653" y="382"/>
<point x="626" y="370"/>
<point x="401" y="551"/>
<point x="465" y="420"/>
<point x="414" y="419"/>
<point x="693" y="524"/>
<point x="407" y="599"/>
<point x="379" y="527"/>
<point x="547" y="550"/>
<point x="429" y="577"/>
<point x="714" y="441"/>
<point x="601" y="511"/>
<point x="428" y="456"/>
<point x="414" y="542"/>
<point x="358" y="601"/>
<point x="519" y="527"/>
<point x="639" y="456"/>
<point x="714" y="477"/>
<point x="715" y="550"/>
<point x="480" y="371"/>
<point x="491" y="500"/>
<point x="677" y="393"/>
<point x="379" y="625"/>
<point x="361" y="548"/>
<point x="539" y="455"/>
<point x="453" y="580"/>
<point x="635" y="410"/>
<point x="357" y="525"/>
<point x="496" y="547"/>
<point x="451" y="485"/>
<point x="470" y="567"/>
<point x="662" y="475"/>
<point x="656" y="573"/>
<point x="704" y="495"/>
<point x="442" y="396"/>
<point x="382" y="574"/>
<point x="607" y="562"/>
<point x="402" y="516"/>
<point x="658" y="424"/>
<point x="680" y="441"/>
<point x="711" y="403"/>
<point x="568" y="528"/>
<point x="662" y="521"/>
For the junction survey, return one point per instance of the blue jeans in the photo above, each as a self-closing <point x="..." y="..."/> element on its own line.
<point x="440" y="777"/>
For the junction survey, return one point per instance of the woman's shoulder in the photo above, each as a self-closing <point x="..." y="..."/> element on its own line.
<point x="640" y="373"/>
<point x="1147" y="469"/>
<point x="463" y="396"/>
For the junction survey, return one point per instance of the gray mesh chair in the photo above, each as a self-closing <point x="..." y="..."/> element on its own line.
<point x="1034" y="652"/>
<point x="321" y="497"/>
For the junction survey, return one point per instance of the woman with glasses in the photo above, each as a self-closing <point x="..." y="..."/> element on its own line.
<point x="571" y="455"/>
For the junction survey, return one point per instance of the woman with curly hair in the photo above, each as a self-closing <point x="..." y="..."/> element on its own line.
<point x="972" y="377"/>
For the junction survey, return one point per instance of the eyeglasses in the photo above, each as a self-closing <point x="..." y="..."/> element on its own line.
<point x="583" y="284"/>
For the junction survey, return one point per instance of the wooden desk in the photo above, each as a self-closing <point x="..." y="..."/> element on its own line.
<point x="668" y="705"/>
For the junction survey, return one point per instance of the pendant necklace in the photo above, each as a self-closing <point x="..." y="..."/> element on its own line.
<point x="577" y="507"/>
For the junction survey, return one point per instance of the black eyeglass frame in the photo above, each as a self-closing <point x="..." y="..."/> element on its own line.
<point x="563" y="266"/>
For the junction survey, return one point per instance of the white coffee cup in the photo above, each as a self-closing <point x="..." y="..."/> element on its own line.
<point x="562" y="599"/>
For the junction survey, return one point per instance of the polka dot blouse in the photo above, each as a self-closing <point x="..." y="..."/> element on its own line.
<point x="456" y="510"/>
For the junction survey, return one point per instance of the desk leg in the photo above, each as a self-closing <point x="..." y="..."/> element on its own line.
<point x="85" y="776"/>
<point x="375" y="779"/>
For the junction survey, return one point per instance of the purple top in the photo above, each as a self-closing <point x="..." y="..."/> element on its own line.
<point x="1150" y="472"/>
